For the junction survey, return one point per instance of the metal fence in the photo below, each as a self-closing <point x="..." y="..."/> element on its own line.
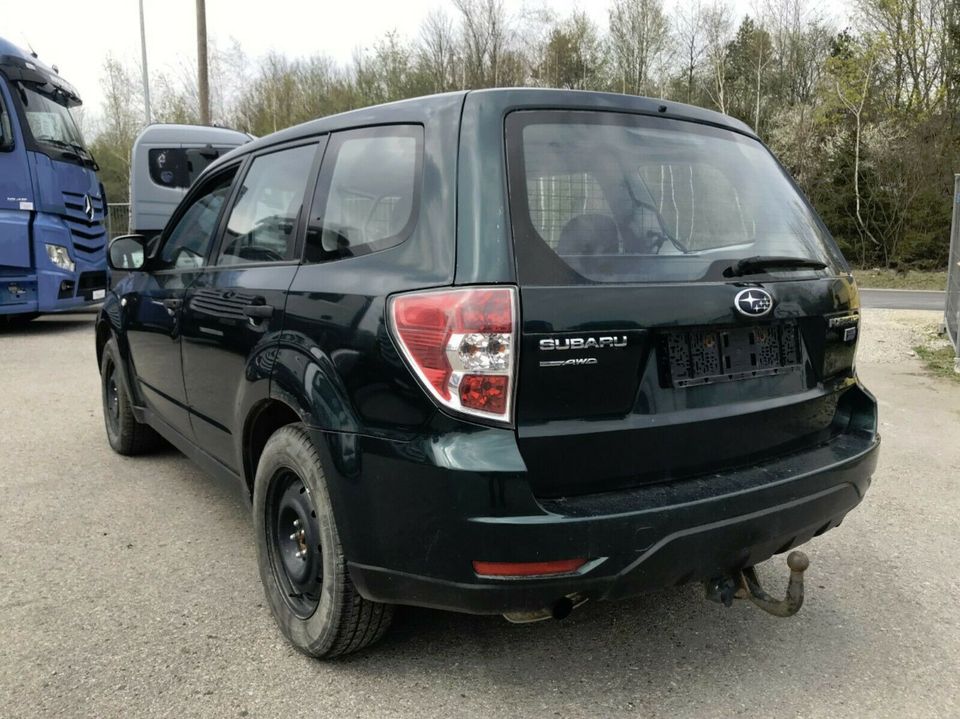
<point x="952" y="314"/>
<point x="118" y="219"/>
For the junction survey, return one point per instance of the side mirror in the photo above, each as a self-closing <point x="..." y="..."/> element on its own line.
<point x="128" y="253"/>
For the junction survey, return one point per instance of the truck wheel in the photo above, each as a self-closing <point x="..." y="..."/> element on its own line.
<point x="125" y="434"/>
<point x="15" y="321"/>
<point x="302" y="566"/>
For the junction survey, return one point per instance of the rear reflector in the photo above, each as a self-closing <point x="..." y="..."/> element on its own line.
<point x="527" y="569"/>
<point x="461" y="344"/>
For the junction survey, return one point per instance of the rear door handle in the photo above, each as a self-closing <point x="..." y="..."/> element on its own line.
<point x="258" y="312"/>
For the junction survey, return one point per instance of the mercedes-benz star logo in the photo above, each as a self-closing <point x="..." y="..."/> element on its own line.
<point x="753" y="302"/>
<point x="88" y="207"/>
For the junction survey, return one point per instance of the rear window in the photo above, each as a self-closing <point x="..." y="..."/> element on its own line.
<point x="602" y="197"/>
<point x="178" y="167"/>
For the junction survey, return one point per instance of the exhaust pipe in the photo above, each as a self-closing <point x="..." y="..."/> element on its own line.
<point x="560" y="609"/>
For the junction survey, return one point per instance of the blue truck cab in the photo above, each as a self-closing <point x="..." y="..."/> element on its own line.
<point x="52" y="205"/>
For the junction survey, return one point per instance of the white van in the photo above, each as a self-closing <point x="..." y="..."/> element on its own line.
<point x="165" y="160"/>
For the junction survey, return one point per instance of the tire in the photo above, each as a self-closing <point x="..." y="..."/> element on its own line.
<point x="17" y="321"/>
<point x="125" y="434"/>
<point x="313" y="600"/>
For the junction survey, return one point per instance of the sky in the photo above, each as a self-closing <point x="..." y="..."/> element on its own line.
<point x="79" y="42"/>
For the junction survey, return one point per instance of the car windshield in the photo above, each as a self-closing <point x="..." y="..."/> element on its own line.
<point x="50" y="122"/>
<point x="604" y="197"/>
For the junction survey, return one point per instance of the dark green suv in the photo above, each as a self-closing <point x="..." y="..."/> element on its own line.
<point x="497" y="352"/>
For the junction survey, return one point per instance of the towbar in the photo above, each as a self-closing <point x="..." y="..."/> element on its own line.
<point x="747" y="586"/>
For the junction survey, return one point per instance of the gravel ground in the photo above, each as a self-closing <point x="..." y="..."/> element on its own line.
<point x="129" y="588"/>
<point x="889" y="336"/>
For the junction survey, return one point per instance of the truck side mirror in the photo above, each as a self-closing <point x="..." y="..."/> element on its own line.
<point x="127" y="253"/>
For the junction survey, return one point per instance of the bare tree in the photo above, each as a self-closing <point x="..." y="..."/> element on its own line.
<point x="852" y="93"/>
<point x="437" y="51"/>
<point x="764" y="56"/>
<point x="638" y="37"/>
<point x="120" y="122"/>
<point x="800" y="36"/>
<point x="484" y="41"/>
<point x="691" y="31"/>
<point x="913" y="53"/>
<point x="718" y="29"/>
<point x="121" y="103"/>
<point x="571" y="55"/>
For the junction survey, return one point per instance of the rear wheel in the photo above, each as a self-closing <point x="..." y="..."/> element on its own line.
<point x="302" y="566"/>
<point x="125" y="434"/>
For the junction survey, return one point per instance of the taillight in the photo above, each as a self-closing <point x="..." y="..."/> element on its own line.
<point x="462" y="345"/>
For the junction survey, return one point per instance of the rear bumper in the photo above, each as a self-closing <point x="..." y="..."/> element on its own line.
<point x="411" y="529"/>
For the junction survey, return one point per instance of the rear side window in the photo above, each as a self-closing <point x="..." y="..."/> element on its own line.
<point x="600" y="197"/>
<point x="368" y="193"/>
<point x="178" y="167"/>
<point x="262" y="226"/>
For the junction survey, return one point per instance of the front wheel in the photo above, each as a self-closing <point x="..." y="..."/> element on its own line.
<point x="302" y="566"/>
<point x="125" y="434"/>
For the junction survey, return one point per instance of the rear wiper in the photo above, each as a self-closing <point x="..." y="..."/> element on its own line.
<point x="750" y="265"/>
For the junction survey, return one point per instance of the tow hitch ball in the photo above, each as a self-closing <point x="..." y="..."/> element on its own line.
<point x="745" y="585"/>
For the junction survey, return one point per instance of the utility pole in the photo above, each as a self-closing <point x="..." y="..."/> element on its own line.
<point x="203" y="80"/>
<point x="146" y="75"/>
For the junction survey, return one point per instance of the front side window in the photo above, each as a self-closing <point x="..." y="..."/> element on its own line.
<point x="262" y="226"/>
<point x="602" y="197"/>
<point x="368" y="192"/>
<point x="188" y="242"/>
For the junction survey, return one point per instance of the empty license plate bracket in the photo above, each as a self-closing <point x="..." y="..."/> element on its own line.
<point x="703" y="355"/>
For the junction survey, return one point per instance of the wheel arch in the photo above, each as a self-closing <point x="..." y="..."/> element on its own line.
<point x="264" y="418"/>
<point x="103" y="334"/>
<point x="105" y="330"/>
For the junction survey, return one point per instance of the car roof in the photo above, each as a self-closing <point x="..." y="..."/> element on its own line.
<point x="510" y="98"/>
<point x="175" y="133"/>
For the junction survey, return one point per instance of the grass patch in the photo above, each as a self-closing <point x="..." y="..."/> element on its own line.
<point x="939" y="360"/>
<point x="894" y="280"/>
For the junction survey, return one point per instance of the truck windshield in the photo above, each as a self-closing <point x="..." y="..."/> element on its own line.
<point x="601" y="197"/>
<point x="50" y="122"/>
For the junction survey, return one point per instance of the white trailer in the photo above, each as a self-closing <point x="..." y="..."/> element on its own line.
<point x="165" y="161"/>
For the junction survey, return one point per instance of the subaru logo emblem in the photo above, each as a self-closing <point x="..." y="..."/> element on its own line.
<point x="88" y="207"/>
<point x="753" y="302"/>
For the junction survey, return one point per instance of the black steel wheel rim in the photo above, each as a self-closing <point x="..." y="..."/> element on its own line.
<point x="293" y="542"/>
<point x="111" y="396"/>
